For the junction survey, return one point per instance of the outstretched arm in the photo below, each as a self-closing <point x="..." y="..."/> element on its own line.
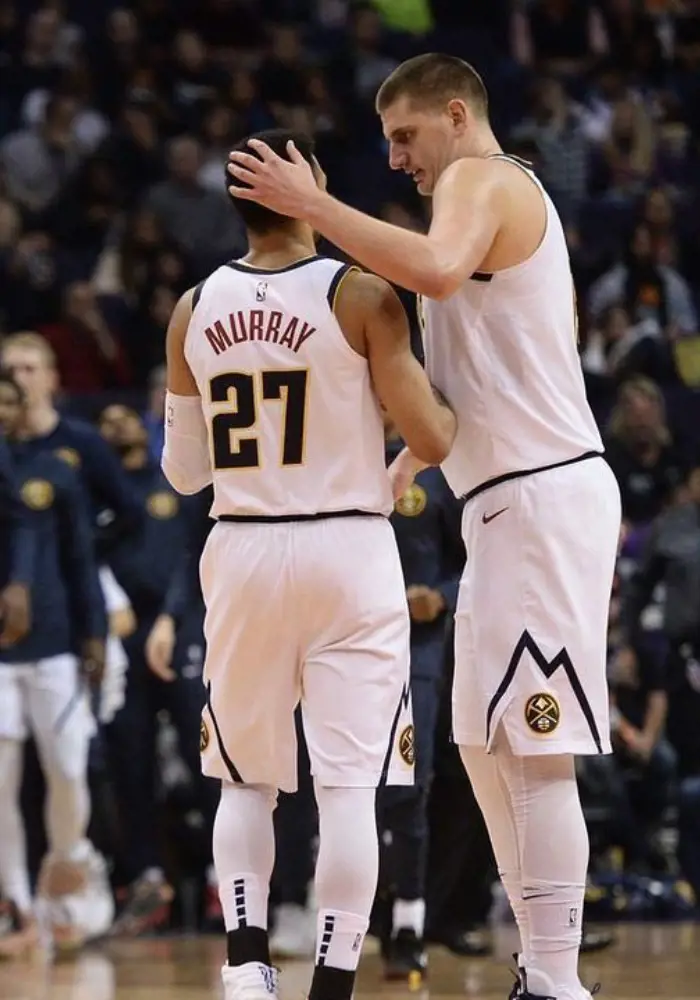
<point x="467" y="212"/>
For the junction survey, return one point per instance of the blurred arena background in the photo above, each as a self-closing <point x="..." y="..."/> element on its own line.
<point x="115" y="124"/>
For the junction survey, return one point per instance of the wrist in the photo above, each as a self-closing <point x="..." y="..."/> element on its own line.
<point x="316" y="209"/>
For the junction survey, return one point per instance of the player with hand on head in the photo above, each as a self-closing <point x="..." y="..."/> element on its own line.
<point x="542" y="508"/>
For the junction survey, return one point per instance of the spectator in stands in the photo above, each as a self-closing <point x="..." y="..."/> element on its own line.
<point x="684" y="731"/>
<point x="641" y="452"/>
<point x="220" y="131"/>
<point x="645" y="760"/>
<point x="196" y="219"/>
<point x="89" y="355"/>
<point x="126" y="267"/>
<point x="562" y="146"/>
<point x="651" y="292"/>
<point x="617" y="349"/>
<point x="561" y="37"/>
<point x="671" y="556"/>
<point x="38" y="161"/>
<point x="628" y="151"/>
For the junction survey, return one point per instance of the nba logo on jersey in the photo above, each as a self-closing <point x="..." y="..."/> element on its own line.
<point x="261" y="291"/>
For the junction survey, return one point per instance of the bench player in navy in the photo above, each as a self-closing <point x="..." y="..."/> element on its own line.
<point x="143" y="563"/>
<point x="44" y="681"/>
<point x="17" y="550"/>
<point x="31" y="361"/>
<point x="426" y="521"/>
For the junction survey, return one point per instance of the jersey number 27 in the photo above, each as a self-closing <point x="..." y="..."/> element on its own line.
<point x="244" y="393"/>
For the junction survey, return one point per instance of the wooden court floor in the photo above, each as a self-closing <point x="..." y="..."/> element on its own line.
<point x="649" y="962"/>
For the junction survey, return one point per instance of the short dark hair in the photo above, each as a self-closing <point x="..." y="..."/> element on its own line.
<point x="256" y="218"/>
<point x="432" y="78"/>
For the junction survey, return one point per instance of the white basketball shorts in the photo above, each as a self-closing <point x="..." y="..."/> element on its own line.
<point x="48" y="700"/>
<point x="312" y="612"/>
<point x="532" y="612"/>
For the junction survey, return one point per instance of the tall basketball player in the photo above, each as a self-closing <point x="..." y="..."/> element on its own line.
<point x="542" y="515"/>
<point x="273" y="365"/>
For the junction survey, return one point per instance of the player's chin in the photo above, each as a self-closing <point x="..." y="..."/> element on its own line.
<point x="424" y="187"/>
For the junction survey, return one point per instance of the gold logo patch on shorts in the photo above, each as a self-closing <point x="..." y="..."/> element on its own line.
<point x="407" y="745"/>
<point x="542" y="713"/>
<point x="203" y="737"/>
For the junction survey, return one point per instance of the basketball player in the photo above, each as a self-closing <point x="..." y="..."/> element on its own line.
<point x="42" y="692"/>
<point x="273" y="365"/>
<point x="542" y="513"/>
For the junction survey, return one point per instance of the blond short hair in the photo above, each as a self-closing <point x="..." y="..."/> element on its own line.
<point x="32" y="341"/>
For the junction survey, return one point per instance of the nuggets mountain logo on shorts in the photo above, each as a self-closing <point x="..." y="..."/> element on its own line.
<point x="203" y="737"/>
<point x="162" y="505"/>
<point x="37" y="494"/>
<point x="542" y="713"/>
<point x="413" y="502"/>
<point x="68" y="455"/>
<point x="407" y="745"/>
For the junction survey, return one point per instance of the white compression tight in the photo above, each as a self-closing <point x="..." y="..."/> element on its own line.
<point x="346" y="870"/>
<point x="533" y="814"/>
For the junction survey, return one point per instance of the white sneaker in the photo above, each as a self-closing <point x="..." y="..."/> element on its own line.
<point x="539" y="985"/>
<point x="75" y="899"/>
<point x="252" y="981"/>
<point x="294" y="935"/>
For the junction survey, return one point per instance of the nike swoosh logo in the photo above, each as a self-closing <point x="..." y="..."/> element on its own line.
<point x="486" y="518"/>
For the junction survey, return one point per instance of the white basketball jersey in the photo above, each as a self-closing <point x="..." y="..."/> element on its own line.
<point x="295" y="428"/>
<point x="503" y="350"/>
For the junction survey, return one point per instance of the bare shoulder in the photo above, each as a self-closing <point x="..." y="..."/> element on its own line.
<point x="369" y="292"/>
<point x="509" y="193"/>
<point x="183" y="309"/>
<point x="472" y="176"/>
<point x="364" y="304"/>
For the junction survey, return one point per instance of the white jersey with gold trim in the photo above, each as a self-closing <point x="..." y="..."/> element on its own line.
<point x="503" y="350"/>
<point x="295" y="428"/>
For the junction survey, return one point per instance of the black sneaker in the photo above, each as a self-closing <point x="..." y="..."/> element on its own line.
<point x="406" y="958"/>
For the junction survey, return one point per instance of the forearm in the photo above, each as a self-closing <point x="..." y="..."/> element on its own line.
<point x="655" y="717"/>
<point x="406" y="258"/>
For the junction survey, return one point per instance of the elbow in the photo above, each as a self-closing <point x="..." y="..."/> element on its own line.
<point x="441" y="283"/>
<point x="433" y="450"/>
<point x="183" y="483"/>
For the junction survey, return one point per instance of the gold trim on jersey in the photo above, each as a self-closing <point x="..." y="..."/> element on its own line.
<point x="341" y="281"/>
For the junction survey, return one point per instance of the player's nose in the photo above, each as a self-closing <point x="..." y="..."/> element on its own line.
<point x="396" y="158"/>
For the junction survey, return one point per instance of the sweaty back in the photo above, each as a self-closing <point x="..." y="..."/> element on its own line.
<point x="294" y="426"/>
<point x="503" y="349"/>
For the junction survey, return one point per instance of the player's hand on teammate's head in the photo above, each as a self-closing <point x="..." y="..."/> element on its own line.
<point x="284" y="186"/>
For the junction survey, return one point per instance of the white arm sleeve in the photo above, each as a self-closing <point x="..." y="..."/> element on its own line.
<point x="185" y="460"/>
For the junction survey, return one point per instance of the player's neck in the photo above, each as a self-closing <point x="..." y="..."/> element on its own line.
<point x="483" y="144"/>
<point x="41" y="420"/>
<point x="278" y="249"/>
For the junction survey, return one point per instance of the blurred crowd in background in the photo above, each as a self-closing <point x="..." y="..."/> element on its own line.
<point x="115" y="123"/>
